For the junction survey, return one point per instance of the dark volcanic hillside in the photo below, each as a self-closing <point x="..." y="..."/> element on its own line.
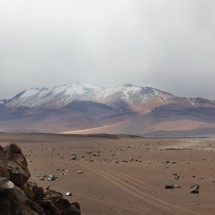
<point x="82" y="108"/>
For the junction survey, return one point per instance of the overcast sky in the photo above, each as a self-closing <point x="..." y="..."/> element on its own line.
<point x="168" y="44"/>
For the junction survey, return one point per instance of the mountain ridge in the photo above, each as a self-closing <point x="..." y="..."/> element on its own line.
<point x="126" y="109"/>
<point x="64" y="94"/>
<point x="73" y="91"/>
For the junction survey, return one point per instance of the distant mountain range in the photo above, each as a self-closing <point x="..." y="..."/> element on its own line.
<point x="126" y="109"/>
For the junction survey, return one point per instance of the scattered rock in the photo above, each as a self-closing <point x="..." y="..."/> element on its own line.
<point x="200" y="178"/>
<point x="195" y="189"/>
<point x="51" y="178"/>
<point x="68" y="194"/>
<point x="177" y="177"/>
<point x="172" y="186"/>
<point x="89" y="153"/>
<point x="80" y="172"/>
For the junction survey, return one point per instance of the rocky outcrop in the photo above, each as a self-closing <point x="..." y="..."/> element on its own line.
<point x="19" y="196"/>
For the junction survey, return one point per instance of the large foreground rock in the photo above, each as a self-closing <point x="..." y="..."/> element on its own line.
<point x="22" y="197"/>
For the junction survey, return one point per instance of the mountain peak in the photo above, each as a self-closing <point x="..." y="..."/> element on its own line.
<point x="128" y="85"/>
<point x="73" y="88"/>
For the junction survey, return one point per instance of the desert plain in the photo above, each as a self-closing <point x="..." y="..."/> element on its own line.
<point x="124" y="175"/>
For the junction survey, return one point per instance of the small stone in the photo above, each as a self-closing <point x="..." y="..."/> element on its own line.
<point x="195" y="189"/>
<point x="89" y="153"/>
<point x="51" y="178"/>
<point x="68" y="194"/>
<point x="80" y="172"/>
<point x="200" y="178"/>
<point x="172" y="186"/>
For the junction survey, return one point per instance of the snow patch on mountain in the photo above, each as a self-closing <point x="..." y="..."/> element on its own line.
<point x="34" y="92"/>
<point x="2" y="101"/>
<point x="74" y="88"/>
<point x="191" y="101"/>
<point x="124" y="92"/>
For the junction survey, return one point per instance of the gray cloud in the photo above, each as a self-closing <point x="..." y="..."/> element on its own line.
<point x="168" y="44"/>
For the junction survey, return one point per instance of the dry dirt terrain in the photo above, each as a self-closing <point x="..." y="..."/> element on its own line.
<point x="124" y="175"/>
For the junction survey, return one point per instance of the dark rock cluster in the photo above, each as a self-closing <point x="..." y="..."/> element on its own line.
<point x="18" y="196"/>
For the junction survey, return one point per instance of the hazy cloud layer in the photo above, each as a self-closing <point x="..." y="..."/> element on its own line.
<point x="168" y="44"/>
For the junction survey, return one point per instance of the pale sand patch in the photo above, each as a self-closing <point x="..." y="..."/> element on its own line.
<point x="113" y="128"/>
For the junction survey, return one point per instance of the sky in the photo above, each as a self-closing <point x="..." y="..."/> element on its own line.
<point x="167" y="44"/>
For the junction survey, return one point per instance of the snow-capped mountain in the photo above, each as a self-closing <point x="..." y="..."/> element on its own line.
<point x="125" y="109"/>
<point x="62" y="95"/>
<point x="141" y="99"/>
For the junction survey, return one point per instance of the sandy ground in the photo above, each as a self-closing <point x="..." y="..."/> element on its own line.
<point x="124" y="176"/>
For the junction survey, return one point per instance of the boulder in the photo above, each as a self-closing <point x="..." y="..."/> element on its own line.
<point x="16" y="165"/>
<point x="19" y="196"/>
